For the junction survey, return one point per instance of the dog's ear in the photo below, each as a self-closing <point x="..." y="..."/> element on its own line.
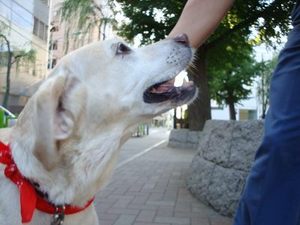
<point x="58" y="103"/>
<point x="64" y="117"/>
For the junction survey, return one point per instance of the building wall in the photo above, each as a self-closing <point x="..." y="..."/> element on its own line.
<point x="27" y="28"/>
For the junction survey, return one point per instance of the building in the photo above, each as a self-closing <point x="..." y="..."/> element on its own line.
<point x="245" y="110"/>
<point x="66" y="37"/>
<point x="26" y="27"/>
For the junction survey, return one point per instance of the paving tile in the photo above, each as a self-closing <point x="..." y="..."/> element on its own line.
<point x="220" y="221"/>
<point x="125" y="220"/>
<point x="183" y="207"/>
<point x="191" y="215"/>
<point x="161" y="203"/>
<point x="142" y="206"/>
<point x="121" y="190"/>
<point x="103" y="205"/>
<point x="107" y="216"/>
<point x="136" y="193"/>
<point x="136" y="187"/>
<point x="146" y="216"/>
<point x="140" y="199"/>
<point x="123" y="202"/>
<point x="165" y="211"/>
<point x="169" y="196"/>
<point x="106" y="222"/>
<point x="149" y="186"/>
<point x="123" y="211"/>
<point x="155" y="196"/>
<point x="145" y="223"/>
<point x="172" y="220"/>
<point x="200" y="221"/>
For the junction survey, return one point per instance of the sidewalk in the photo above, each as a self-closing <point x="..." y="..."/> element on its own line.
<point x="148" y="188"/>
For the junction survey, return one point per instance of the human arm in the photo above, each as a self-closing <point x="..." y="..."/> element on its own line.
<point x="200" y="18"/>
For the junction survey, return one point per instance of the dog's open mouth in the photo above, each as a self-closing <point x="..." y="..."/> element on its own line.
<point x="166" y="91"/>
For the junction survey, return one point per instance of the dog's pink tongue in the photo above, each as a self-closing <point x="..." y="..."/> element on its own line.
<point x="165" y="87"/>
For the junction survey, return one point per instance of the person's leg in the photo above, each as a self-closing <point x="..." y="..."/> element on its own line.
<point x="272" y="191"/>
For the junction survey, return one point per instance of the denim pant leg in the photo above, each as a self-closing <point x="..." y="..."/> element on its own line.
<point x="272" y="191"/>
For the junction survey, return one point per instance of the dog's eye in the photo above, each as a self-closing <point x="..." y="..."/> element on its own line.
<point x="122" y="49"/>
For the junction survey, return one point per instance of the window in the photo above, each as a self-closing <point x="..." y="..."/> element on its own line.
<point x="35" y="26"/>
<point x="54" y="61"/>
<point x="40" y="29"/>
<point x="53" y="46"/>
<point x="46" y="32"/>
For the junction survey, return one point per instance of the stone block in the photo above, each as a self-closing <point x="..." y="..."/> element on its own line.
<point x="225" y="154"/>
<point x="183" y="138"/>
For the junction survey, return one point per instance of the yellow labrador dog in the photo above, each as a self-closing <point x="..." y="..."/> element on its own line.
<point x="66" y="140"/>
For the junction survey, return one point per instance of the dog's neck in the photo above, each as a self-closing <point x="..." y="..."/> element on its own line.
<point x="81" y="172"/>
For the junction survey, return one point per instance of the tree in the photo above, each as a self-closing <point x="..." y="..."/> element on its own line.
<point x="264" y="71"/>
<point x="233" y="83"/>
<point x="11" y="57"/>
<point x="153" y="20"/>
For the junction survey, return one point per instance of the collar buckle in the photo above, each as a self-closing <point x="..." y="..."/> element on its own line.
<point x="59" y="215"/>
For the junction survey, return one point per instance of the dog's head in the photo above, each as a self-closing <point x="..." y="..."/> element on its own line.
<point x="80" y="113"/>
<point x="132" y="84"/>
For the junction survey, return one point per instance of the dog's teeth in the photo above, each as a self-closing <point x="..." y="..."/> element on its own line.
<point x="165" y="87"/>
<point x="171" y="82"/>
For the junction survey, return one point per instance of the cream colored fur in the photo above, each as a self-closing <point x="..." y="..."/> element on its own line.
<point x="68" y="135"/>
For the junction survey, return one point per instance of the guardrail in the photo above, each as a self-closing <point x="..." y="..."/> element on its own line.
<point x="7" y="118"/>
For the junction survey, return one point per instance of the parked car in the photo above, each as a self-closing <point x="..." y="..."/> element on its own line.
<point x="7" y="118"/>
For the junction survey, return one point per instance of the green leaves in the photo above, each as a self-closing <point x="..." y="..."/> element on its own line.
<point x="264" y="71"/>
<point x="153" y="20"/>
<point x="231" y="70"/>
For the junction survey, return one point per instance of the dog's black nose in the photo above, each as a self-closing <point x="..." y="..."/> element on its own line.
<point x="182" y="39"/>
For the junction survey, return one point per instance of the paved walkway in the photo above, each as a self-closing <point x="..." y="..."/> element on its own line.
<point x="148" y="187"/>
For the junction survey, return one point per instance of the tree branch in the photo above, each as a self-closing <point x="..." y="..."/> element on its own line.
<point x="98" y="7"/>
<point x="6" y="40"/>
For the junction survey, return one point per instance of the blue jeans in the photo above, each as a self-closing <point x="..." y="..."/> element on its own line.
<point x="272" y="192"/>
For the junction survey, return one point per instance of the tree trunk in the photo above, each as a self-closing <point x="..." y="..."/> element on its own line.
<point x="199" y="111"/>
<point x="175" y="119"/>
<point x="265" y="93"/>
<point x="9" y="64"/>
<point x="7" y="90"/>
<point x="232" y="112"/>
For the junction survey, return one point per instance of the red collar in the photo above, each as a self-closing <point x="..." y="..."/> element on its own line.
<point x="29" y="199"/>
